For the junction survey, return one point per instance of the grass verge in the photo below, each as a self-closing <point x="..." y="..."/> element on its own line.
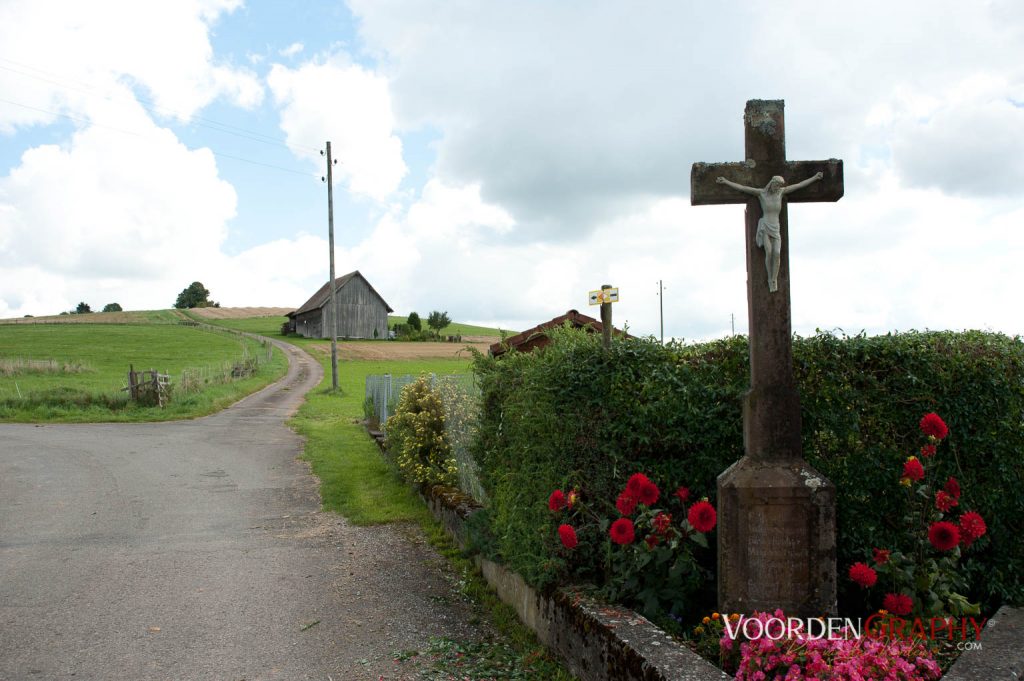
<point x="357" y="482"/>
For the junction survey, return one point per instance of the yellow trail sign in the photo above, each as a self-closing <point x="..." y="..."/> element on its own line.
<point x="608" y="295"/>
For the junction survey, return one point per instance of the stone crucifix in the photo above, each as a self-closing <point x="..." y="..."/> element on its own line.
<point x="776" y="536"/>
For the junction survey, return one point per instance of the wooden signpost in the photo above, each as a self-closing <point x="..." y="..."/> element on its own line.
<point x="605" y="297"/>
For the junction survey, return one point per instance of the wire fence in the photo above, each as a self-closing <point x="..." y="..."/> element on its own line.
<point x="460" y="397"/>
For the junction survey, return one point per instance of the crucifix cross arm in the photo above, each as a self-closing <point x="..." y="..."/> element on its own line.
<point x="706" y="190"/>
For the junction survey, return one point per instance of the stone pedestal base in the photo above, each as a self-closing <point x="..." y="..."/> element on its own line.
<point x="776" y="539"/>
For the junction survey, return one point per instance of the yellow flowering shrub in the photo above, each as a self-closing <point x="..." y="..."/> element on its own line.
<point x="417" y="439"/>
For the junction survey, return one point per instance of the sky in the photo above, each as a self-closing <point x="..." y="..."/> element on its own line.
<point x="500" y="160"/>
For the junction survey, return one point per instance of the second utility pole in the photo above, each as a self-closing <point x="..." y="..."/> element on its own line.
<point x="661" y="309"/>
<point x="334" y="308"/>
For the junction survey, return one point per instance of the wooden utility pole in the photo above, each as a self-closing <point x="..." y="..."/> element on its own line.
<point x="661" y="309"/>
<point x="333" y="324"/>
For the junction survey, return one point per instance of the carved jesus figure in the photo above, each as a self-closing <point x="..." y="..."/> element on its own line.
<point x="769" y="232"/>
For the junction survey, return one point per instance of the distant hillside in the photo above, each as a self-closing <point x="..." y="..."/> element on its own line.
<point x="133" y="317"/>
<point x="154" y="316"/>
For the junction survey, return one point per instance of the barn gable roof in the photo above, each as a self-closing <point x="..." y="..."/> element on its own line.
<point x="320" y="298"/>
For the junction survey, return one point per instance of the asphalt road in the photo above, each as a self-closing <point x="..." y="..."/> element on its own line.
<point x="196" y="550"/>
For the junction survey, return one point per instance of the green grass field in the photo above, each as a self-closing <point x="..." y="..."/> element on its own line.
<point x="90" y="366"/>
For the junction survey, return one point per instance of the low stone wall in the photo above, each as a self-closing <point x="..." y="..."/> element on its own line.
<point x="597" y="642"/>
<point x="1001" y="655"/>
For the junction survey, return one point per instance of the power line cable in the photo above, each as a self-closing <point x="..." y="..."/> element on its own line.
<point x="92" y="122"/>
<point x="151" y="106"/>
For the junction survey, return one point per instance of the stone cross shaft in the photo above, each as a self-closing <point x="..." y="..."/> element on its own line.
<point x="772" y="428"/>
<point x="776" y="531"/>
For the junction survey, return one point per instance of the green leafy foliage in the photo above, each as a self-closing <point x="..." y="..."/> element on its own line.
<point x="438" y="320"/>
<point x="83" y="308"/>
<point x="417" y="437"/>
<point x="112" y="307"/>
<point x="575" y="414"/>
<point x="194" y="295"/>
<point x="414" y="321"/>
<point x="926" y="575"/>
<point x="652" y="567"/>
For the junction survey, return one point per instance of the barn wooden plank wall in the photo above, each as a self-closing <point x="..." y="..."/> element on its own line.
<point x="360" y="312"/>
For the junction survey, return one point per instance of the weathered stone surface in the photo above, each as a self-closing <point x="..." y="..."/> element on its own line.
<point x="1001" y="655"/>
<point x="776" y="538"/>
<point x="776" y="535"/>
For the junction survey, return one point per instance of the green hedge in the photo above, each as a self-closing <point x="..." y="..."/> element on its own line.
<point x="573" y="414"/>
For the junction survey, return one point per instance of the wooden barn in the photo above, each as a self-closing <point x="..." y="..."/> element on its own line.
<point x="362" y="313"/>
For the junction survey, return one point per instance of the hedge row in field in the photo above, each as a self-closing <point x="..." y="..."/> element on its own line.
<point x="574" y="414"/>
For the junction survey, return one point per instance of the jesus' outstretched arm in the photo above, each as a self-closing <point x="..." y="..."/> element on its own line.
<point x="800" y="185"/>
<point x="739" y="187"/>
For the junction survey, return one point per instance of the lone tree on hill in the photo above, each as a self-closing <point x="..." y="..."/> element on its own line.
<point x="83" y="308"/>
<point x="196" y="295"/>
<point x="438" y="320"/>
<point x="414" y="321"/>
<point x="112" y="307"/>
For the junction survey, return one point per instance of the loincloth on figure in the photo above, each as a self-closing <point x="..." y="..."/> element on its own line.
<point x="764" y="227"/>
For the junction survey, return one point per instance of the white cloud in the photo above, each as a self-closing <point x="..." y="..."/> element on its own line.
<point x="350" y="106"/>
<point x="966" y="141"/>
<point x="109" y="211"/>
<point x="262" y="275"/>
<point x="163" y="48"/>
<point x="569" y="114"/>
<point x="292" y="50"/>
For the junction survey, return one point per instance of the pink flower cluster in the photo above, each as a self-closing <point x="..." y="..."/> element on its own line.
<point x="800" y="657"/>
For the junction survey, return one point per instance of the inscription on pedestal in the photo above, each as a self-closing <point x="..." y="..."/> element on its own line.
<point x="778" y="554"/>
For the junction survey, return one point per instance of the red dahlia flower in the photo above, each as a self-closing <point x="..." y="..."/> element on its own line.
<point x="932" y="425"/>
<point x="913" y="469"/>
<point x="952" y="488"/>
<point x="649" y="493"/>
<point x="972" y="525"/>
<point x="651" y="540"/>
<point x="556" y="502"/>
<point x="928" y="450"/>
<point x="636" y="483"/>
<point x="621" y="531"/>
<point x="702" y="516"/>
<point x="568" y="536"/>
<point x="898" y="604"/>
<point x="626" y="503"/>
<point x="880" y="556"/>
<point x="863" y="575"/>
<point x="944" y="536"/>
<point x="662" y="522"/>
<point x="944" y="502"/>
<point x="683" y="494"/>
